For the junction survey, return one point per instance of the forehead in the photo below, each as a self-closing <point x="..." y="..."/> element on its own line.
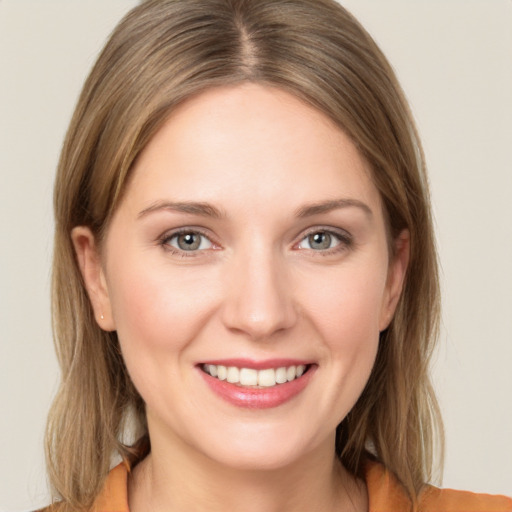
<point x="250" y="141"/>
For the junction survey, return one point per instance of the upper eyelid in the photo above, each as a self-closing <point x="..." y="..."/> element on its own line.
<point x="340" y="233"/>
<point x="180" y="231"/>
<point x="345" y="240"/>
<point x="163" y="240"/>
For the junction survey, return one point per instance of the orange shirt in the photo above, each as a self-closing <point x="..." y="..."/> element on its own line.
<point x="384" y="492"/>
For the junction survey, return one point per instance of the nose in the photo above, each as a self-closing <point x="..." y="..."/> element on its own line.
<point x="259" y="297"/>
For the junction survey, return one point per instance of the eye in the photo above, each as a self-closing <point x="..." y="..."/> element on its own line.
<point x="320" y="241"/>
<point x="188" y="241"/>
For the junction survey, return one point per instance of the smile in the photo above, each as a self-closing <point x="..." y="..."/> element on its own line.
<point x="257" y="385"/>
<point x="251" y="377"/>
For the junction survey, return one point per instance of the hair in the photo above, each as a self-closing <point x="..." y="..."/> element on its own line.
<point x="162" y="53"/>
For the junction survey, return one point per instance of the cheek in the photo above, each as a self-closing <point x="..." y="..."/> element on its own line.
<point x="346" y="305"/>
<point x="157" y="310"/>
<point x="346" y="313"/>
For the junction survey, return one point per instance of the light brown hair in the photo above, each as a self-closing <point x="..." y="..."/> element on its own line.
<point x="163" y="52"/>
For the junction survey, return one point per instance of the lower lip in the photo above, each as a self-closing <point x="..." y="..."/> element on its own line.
<point x="258" y="398"/>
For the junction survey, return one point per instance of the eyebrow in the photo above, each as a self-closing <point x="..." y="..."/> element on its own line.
<point x="193" y="208"/>
<point x="208" y="210"/>
<point x="334" y="204"/>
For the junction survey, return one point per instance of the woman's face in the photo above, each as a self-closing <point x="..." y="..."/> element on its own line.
<point x="250" y="246"/>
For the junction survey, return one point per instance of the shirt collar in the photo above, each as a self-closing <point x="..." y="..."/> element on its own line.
<point x="384" y="491"/>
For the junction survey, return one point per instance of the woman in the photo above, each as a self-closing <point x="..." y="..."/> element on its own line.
<point x="245" y="282"/>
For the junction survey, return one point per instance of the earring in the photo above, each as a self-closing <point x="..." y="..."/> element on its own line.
<point x="102" y="317"/>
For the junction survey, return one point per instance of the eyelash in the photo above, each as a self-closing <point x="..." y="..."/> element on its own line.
<point x="164" y="242"/>
<point x="345" y="241"/>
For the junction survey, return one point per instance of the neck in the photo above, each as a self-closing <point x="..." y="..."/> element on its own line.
<point x="179" y="479"/>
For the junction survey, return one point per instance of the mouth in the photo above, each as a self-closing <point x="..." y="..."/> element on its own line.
<point x="260" y="385"/>
<point x="253" y="378"/>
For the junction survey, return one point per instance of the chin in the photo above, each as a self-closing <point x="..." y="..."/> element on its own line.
<point x="256" y="459"/>
<point x="266" y="450"/>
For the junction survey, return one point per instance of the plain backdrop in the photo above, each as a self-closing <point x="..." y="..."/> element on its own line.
<point x="454" y="60"/>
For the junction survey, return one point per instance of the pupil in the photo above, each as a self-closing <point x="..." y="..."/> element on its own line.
<point x="188" y="241"/>
<point x="320" y="241"/>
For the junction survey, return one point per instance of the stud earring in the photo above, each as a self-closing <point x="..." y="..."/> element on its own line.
<point x="102" y="317"/>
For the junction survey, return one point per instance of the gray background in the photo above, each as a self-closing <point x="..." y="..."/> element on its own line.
<point x="454" y="59"/>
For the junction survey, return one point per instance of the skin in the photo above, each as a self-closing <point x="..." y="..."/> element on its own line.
<point x="255" y="288"/>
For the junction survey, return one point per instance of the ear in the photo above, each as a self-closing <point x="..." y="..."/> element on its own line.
<point x="93" y="275"/>
<point x="396" y="278"/>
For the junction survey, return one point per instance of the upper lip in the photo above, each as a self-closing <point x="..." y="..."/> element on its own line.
<point x="258" y="365"/>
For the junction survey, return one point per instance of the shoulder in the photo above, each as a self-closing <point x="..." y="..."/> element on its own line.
<point x="385" y="494"/>
<point x="113" y="497"/>
<point x="433" y="499"/>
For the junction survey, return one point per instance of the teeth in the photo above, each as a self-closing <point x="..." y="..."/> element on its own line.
<point x="248" y="377"/>
<point x="233" y="375"/>
<point x="251" y="377"/>
<point x="267" y="378"/>
<point x="281" y="375"/>
<point x="222" y="372"/>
